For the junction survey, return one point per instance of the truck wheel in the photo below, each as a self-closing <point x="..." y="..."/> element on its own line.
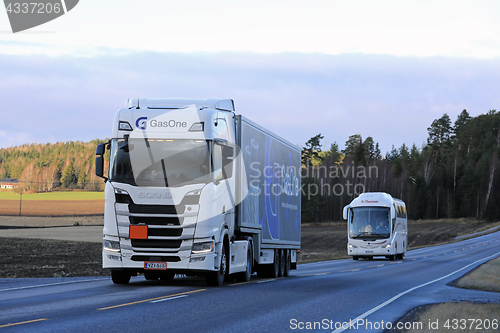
<point x="217" y="278"/>
<point x="120" y="277"/>
<point x="281" y="272"/>
<point x="288" y="263"/>
<point x="275" y="267"/>
<point x="245" y="276"/>
<point x="151" y="276"/>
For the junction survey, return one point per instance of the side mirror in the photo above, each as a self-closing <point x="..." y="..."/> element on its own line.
<point x="346" y="208"/>
<point x="393" y="213"/>
<point x="100" y="149"/>
<point x="99" y="161"/>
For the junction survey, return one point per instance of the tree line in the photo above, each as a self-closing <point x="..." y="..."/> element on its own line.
<point x="453" y="175"/>
<point x="48" y="167"/>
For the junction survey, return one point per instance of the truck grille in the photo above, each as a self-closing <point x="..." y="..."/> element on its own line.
<point x="165" y="232"/>
<point x="156" y="220"/>
<point x="156" y="258"/>
<point x="155" y="209"/>
<point x="156" y="243"/>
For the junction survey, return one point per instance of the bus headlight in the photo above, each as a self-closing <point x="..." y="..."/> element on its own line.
<point x="388" y="246"/>
<point x="352" y="246"/>
<point x="204" y="247"/>
<point x="110" y="245"/>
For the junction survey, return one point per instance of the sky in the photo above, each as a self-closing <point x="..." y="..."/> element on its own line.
<point x="384" y="69"/>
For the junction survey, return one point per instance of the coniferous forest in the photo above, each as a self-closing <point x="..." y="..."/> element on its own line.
<point x="455" y="174"/>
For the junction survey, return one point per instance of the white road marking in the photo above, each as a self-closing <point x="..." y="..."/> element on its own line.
<point x="168" y="299"/>
<point x="265" y="281"/>
<point x="389" y="301"/>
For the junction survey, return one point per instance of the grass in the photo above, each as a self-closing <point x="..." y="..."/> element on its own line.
<point x="486" y="277"/>
<point x="68" y="195"/>
<point x="460" y="317"/>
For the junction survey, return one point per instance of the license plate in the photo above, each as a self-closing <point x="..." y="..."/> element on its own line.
<point x="155" y="265"/>
<point x="368" y="251"/>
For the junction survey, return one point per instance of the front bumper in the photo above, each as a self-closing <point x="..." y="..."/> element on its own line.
<point x="115" y="260"/>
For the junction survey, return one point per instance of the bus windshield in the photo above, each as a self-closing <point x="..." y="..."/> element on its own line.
<point x="369" y="223"/>
<point x="160" y="163"/>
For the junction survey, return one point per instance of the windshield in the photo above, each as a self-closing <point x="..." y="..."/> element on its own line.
<point x="369" y="222"/>
<point x="160" y="162"/>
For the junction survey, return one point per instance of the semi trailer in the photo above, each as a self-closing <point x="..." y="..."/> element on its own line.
<point x="192" y="188"/>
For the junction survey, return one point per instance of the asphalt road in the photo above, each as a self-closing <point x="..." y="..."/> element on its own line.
<point x="321" y="296"/>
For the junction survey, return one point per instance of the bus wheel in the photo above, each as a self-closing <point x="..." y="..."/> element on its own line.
<point x="355" y="258"/>
<point x="391" y="258"/>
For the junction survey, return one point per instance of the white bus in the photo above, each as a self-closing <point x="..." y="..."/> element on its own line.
<point x="376" y="226"/>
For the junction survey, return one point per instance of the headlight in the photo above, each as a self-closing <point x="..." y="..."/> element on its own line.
<point x="204" y="247"/>
<point x="388" y="246"/>
<point x="352" y="246"/>
<point x="112" y="246"/>
<point x="195" y="192"/>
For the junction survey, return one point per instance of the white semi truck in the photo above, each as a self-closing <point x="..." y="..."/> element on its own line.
<point x="195" y="189"/>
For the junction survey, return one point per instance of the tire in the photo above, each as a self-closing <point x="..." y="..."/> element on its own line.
<point x="245" y="276"/>
<point x="288" y="263"/>
<point x="151" y="276"/>
<point x="216" y="279"/>
<point x="355" y="258"/>
<point x="273" y="269"/>
<point x="392" y="257"/>
<point x="281" y="272"/>
<point x="120" y="277"/>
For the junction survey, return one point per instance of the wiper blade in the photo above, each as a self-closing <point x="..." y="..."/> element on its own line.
<point x="362" y="234"/>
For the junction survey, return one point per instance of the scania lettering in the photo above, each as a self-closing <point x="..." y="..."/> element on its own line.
<point x="195" y="189"/>
<point x="376" y="226"/>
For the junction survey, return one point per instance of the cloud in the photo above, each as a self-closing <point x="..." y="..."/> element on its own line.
<point x="393" y="99"/>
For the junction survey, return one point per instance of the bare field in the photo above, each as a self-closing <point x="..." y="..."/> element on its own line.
<point x="40" y="258"/>
<point x="52" y="207"/>
<point x="33" y="257"/>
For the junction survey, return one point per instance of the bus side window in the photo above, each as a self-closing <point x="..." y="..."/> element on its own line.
<point x="395" y="219"/>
